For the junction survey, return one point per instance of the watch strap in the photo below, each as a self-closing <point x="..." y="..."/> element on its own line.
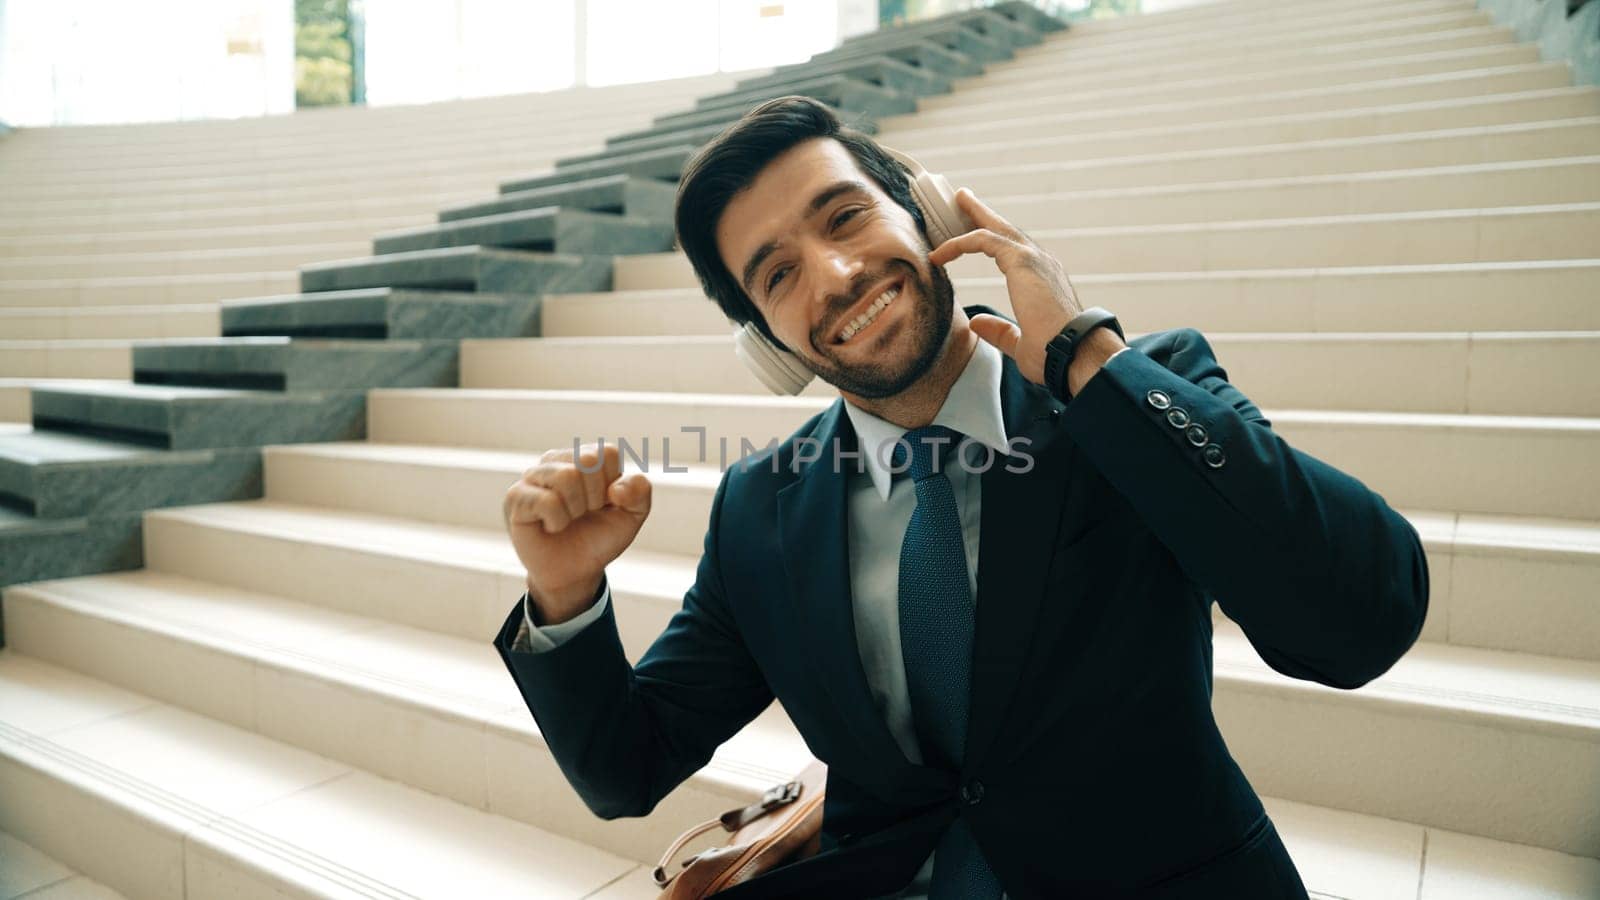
<point x="1058" y="354"/>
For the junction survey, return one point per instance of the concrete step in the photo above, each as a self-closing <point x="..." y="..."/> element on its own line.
<point x="1268" y="102"/>
<point x="468" y="268"/>
<point x="16" y="398"/>
<point x="296" y="364"/>
<point x="378" y="313"/>
<point x="1512" y="465"/>
<point x="143" y="290"/>
<point x="32" y="548"/>
<point x="1112" y="132"/>
<point x="97" y="358"/>
<point x="955" y="37"/>
<point x="1458" y="703"/>
<point x="30" y="873"/>
<point x="123" y="322"/>
<point x="1429" y="237"/>
<point x="1552" y="295"/>
<point x="159" y="802"/>
<point x="1255" y="55"/>
<point x="992" y="24"/>
<point x="889" y="74"/>
<point x="260" y="211"/>
<point x="1289" y="27"/>
<point x="173" y="262"/>
<point x="664" y="163"/>
<point x="1543" y="373"/>
<point x="854" y="99"/>
<point x="644" y="198"/>
<point x="60" y="475"/>
<point x="1110" y="91"/>
<point x="226" y="194"/>
<point x="63" y="731"/>
<point x="935" y="56"/>
<point x="552" y="229"/>
<point x="191" y="418"/>
<point x="313" y="661"/>
<point x="217" y="238"/>
<point x="1025" y="145"/>
<point x="1497" y="582"/>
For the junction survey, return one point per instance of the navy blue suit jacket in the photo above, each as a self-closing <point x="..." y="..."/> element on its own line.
<point x="1092" y="743"/>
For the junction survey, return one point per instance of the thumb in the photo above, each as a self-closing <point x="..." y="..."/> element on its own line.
<point x="997" y="331"/>
<point x="632" y="494"/>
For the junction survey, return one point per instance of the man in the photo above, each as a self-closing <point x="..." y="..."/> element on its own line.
<point x="1043" y="730"/>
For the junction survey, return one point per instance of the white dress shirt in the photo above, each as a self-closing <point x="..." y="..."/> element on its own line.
<point x="879" y="509"/>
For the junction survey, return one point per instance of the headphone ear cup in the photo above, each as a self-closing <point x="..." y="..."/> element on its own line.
<point x="942" y="219"/>
<point x="781" y="371"/>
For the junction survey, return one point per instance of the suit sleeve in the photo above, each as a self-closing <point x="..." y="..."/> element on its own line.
<point x="1327" y="582"/>
<point x="624" y="736"/>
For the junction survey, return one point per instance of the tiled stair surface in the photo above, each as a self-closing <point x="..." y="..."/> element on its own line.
<point x="27" y="873"/>
<point x="1342" y="198"/>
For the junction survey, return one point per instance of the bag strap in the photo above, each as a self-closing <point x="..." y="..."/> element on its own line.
<point x="730" y="821"/>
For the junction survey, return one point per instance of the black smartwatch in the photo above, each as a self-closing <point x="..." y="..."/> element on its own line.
<point x="1059" y="352"/>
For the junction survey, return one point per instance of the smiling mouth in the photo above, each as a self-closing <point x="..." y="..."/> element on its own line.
<point x="860" y="322"/>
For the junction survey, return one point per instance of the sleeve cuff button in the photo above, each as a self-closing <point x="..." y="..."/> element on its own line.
<point x="1213" y="456"/>
<point x="1158" y="399"/>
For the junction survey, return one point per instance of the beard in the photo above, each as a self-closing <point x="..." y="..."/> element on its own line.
<point x="928" y="327"/>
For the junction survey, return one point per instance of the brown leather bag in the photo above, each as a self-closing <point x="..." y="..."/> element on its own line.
<point x="785" y="825"/>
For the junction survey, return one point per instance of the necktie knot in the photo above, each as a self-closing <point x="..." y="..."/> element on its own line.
<point x="916" y="452"/>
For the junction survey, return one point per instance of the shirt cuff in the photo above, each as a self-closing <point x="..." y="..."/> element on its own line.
<point x="533" y="638"/>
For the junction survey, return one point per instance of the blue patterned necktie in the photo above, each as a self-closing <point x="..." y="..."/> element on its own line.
<point x="936" y="637"/>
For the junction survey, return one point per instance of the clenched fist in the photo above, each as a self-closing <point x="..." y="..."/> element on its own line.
<point x="568" y="520"/>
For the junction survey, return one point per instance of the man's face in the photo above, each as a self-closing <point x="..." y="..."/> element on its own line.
<point x="816" y="244"/>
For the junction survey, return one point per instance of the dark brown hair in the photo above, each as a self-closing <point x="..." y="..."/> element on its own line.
<point x="730" y="163"/>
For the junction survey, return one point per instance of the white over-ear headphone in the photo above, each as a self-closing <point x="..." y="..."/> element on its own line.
<point x="783" y="372"/>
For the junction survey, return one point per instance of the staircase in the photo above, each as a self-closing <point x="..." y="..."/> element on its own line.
<point x="1385" y="216"/>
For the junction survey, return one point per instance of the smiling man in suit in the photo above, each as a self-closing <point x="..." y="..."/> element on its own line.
<point x="1006" y="667"/>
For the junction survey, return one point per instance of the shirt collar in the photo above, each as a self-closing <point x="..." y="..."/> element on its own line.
<point x="972" y="408"/>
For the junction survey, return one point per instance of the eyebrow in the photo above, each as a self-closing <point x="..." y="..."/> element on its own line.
<point x="823" y="198"/>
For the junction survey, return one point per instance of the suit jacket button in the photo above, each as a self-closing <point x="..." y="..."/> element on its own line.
<point x="972" y="792"/>
<point x="1177" y="417"/>
<point x="1158" y="399"/>
<point x="1196" y="433"/>
<point x="1213" y="456"/>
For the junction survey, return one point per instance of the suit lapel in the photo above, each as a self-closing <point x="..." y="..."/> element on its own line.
<point x="1018" y="533"/>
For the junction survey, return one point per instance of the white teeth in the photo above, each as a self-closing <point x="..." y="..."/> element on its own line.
<point x="866" y="318"/>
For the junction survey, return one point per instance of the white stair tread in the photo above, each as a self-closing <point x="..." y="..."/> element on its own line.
<point x="26" y="872"/>
<point x="453" y="675"/>
<point x="1555" y="695"/>
<point x="235" y="793"/>
<point x="286" y="807"/>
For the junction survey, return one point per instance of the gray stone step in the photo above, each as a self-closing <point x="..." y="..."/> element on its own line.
<point x="695" y="135"/>
<point x="470" y="268"/>
<point x="664" y="164"/>
<point x="60" y="475"/>
<point x="551" y="229"/>
<point x="193" y="418"/>
<point x="885" y="74"/>
<point x="296" y="364"/>
<point x="998" y="26"/>
<point x="851" y="97"/>
<point x="925" y="54"/>
<point x="32" y="549"/>
<point x="394" y="313"/>
<point x="953" y="36"/>
<point x="642" y="198"/>
<point x="876" y="68"/>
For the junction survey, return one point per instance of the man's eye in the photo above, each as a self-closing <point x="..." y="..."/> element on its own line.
<point x="775" y="277"/>
<point x="845" y="216"/>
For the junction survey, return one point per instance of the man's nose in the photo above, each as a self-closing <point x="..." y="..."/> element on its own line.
<point x="838" y="272"/>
